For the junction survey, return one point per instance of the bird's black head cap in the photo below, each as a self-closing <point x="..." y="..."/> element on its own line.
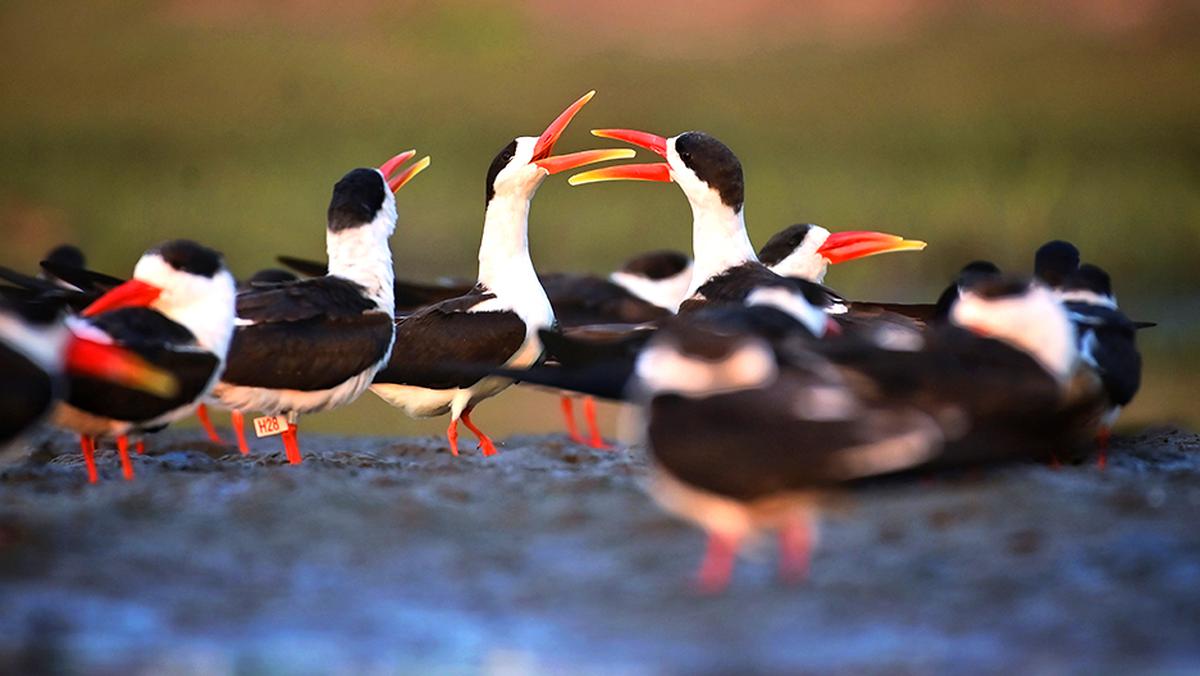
<point x="357" y="198"/>
<point x="498" y="164"/>
<point x="998" y="286"/>
<point x="1055" y="261"/>
<point x="977" y="270"/>
<point x="1090" y="278"/>
<point x="715" y="164"/>
<point x="67" y="255"/>
<point x="783" y="243"/>
<point x="188" y="256"/>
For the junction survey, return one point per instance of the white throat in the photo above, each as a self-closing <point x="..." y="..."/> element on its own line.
<point x="505" y="267"/>
<point x="203" y="305"/>
<point x="719" y="239"/>
<point x="363" y="256"/>
<point x="209" y="316"/>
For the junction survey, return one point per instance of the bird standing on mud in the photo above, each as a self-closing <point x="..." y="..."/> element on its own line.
<point x="177" y="314"/>
<point x="315" y="344"/>
<point x="497" y="322"/>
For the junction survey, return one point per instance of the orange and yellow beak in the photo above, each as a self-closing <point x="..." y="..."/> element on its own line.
<point x="134" y="293"/>
<point x="545" y="144"/>
<point x="642" y="139"/>
<point x="847" y="246"/>
<point x="86" y="357"/>
<point x="657" y="171"/>
<point x="396" y="182"/>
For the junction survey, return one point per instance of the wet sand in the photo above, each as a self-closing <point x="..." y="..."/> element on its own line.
<point x="384" y="554"/>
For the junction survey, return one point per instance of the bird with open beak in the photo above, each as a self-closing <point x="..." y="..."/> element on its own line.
<point x="497" y="322"/>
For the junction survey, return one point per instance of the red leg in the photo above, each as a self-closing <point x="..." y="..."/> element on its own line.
<point x="589" y="414"/>
<point x="717" y="568"/>
<point x="568" y="410"/>
<point x="123" y="451"/>
<point x="238" y="419"/>
<point x="484" y="442"/>
<point x="202" y="414"/>
<point x="1102" y="439"/>
<point x="452" y="436"/>
<point x="88" y="446"/>
<point x="140" y="446"/>
<point x="795" y="550"/>
<point x="1054" y="463"/>
<point x="291" y="444"/>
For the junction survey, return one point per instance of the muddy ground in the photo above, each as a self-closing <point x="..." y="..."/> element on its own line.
<point x="379" y="554"/>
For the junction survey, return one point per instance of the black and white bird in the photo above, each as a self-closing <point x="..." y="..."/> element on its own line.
<point x="176" y="314"/>
<point x="38" y="353"/>
<point x="1107" y="337"/>
<point x="497" y="322"/>
<point x="750" y="434"/>
<point x="62" y="275"/>
<point x="1107" y="342"/>
<point x="314" y="344"/>
<point x="725" y="267"/>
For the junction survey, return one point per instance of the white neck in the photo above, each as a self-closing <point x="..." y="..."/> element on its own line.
<point x="719" y="239"/>
<point x="208" y="315"/>
<point x="362" y="255"/>
<point x="505" y="267"/>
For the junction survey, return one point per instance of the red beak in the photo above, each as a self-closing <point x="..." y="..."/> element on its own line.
<point x="108" y="362"/>
<point x="396" y="182"/>
<point x="133" y="293"/>
<point x="545" y="142"/>
<point x="847" y="246"/>
<point x="559" y="163"/>
<point x="658" y="171"/>
<point x="642" y="139"/>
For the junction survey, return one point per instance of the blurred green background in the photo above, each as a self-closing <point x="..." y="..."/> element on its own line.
<point x="984" y="128"/>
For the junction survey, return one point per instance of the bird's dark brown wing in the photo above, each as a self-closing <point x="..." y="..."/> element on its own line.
<point x="311" y="334"/>
<point x="785" y="438"/>
<point x="302" y="299"/>
<point x="587" y="299"/>
<point x="433" y="342"/>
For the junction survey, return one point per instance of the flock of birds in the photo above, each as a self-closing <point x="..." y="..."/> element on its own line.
<point x="761" y="390"/>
